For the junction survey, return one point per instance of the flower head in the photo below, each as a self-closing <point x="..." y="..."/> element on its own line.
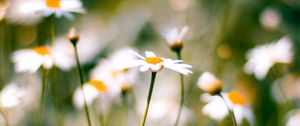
<point x="59" y="8"/>
<point x="217" y="110"/>
<point x="30" y="60"/>
<point x="11" y="95"/>
<point x="73" y="36"/>
<point x="174" y="37"/>
<point x="153" y="63"/>
<point x="262" y="58"/>
<point x="208" y="82"/>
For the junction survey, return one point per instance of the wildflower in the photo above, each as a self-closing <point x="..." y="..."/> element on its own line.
<point x="11" y="95"/>
<point x="153" y="63"/>
<point x="30" y="60"/>
<point x="216" y="107"/>
<point x="262" y="58"/>
<point x="119" y="78"/>
<point x="73" y="36"/>
<point x="59" y="8"/>
<point x="174" y="38"/>
<point x="92" y="89"/>
<point x="208" y="82"/>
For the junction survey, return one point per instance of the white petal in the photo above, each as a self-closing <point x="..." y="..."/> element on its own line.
<point x="149" y="54"/>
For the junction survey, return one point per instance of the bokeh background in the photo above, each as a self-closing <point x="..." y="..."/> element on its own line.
<point x="221" y="32"/>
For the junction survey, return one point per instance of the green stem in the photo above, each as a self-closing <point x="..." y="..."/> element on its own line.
<point x="42" y="99"/>
<point x="53" y="30"/>
<point x="58" y="106"/>
<point x="81" y="84"/>
<point x="181" y="92"/>
<point x="229" y="110"/>
<point x="5" y="117"/>
<point x="153" y="75"/>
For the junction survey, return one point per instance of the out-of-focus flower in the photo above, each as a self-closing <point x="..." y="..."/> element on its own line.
<point x="92" y="90"/>
<point x="11" y="95"/>
<point x="180" y="5"/>
<point x="174" y="37"/>
<point x="155" y="64"/>
<point x="208" y="82"/>
<point x="118" y="77"/>
<point x="293" y="118"/>
<point x="270" y="19"/>
<point x="30" y="60"/>
<point x="262" y="58"/>
<point x="217" y="110"/>
<point x="59" y="8"/>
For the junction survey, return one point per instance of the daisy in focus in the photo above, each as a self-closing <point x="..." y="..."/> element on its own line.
<point x="60" y="8"/>
<point x="174" y="37"/>
<point x="155" y="64"/>
<point x="30" y="60"/>
<point x="262" y="58"/>
<point x="217" y="110"/>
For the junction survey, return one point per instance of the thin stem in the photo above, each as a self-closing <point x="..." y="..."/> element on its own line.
<point x="53" y="29"/>
<point x="153" y="75"/>
<point x="181" y="92"/>
<point x="5" y="117"/>
<point x="229" y="110"/>
<point x="81" y="84"/>
<point x="58" y="106"/>
<point x="42" y="100"/>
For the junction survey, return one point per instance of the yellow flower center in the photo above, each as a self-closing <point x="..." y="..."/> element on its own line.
<point x="154" y="60"/>
<point x="53" y="3"/>
<point x="236" y="97"/>
<point x="42" y="50"/>
<point x="99" y="85"/>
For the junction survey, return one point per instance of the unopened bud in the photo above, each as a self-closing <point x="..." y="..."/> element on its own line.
<point x="73" y="36"/>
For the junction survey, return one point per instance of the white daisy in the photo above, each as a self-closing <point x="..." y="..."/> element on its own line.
<point x="208" y="82"/>
<point x="59" y="8"/>
<point x="153" y="63"/>
<point x="30" y="60"/>
<point x="262" y="58"/>
<point x="10" y="96"/>
<point x="92" y="89"/>
<point x="217" y="109"/>
<point x="174" y="37"/>
<point x="118" y="77"/>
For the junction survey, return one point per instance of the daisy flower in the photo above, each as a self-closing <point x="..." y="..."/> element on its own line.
<point x="30" y="60"/>
<point x="262" y="58"/>
<point x="217" y="110"/>
<point x="293" y="118"/>
<point x="92" y="89"/>
<point x="174" y="37"/>
<point x="208" y="82"/>
<point x="11" y="95"/>
<point x="59" y="8"/>
<point x="155" y="64"/>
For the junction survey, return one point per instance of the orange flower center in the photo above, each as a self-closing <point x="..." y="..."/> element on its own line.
<point x="53" y="3"/>
<point x="99" y="85"/>
<point x="154" y="60"/>
<point x="236" y="97"/>
<point x="42" y="50"/>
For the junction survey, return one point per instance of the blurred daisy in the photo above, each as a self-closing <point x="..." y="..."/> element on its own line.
<point x="262" y="58"/>
<point x="153" y="63"/>
<point x="11" y="95"/>
<point x="30" y="60"/>
<point x="59" y="8"/>
<point x="217" y="110"/>
<point x="92" y="89"/>
<point x="174" y="37"/>
<point x="3" y="9"/>
<point x="118" y="76"/>
<point x="294" y="118"/>
<point x="208" y="82"/>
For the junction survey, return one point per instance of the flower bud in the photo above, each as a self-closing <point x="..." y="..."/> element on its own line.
<point x="209" y="83"/>
<point x="73" y="36"/>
